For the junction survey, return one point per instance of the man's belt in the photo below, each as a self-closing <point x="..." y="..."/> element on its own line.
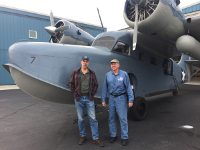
<point x="84" y="94"/>
<point x="115" y="95"/>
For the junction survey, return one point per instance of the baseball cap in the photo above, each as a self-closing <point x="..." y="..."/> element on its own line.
<point x="114" y="60"/>
<point x="85" y="57"/>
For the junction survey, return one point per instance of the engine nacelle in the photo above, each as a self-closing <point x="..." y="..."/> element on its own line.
<point x="75" y="35"/>
<point x="188" y="45"/>
<point x="156" y="17"/>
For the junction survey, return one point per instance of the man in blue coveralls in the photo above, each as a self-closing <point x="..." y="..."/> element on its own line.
<point x="117" y="84"/>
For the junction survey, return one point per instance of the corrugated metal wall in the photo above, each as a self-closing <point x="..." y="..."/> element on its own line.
<point x="15" y="26"/>
<point x="191" y="9"/>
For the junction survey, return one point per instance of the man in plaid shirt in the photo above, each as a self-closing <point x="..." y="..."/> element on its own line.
<point x="83" y="85"/>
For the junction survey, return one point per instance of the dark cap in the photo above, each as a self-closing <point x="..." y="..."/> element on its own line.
<point x="85" y="57"/>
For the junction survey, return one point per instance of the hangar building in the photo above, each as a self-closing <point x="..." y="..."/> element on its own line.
<point x="21" y="25"/>
<point x="192" y="10"/>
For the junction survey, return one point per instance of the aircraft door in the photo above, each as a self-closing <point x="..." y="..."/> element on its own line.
<point x="168" y="67"/>
<point x="133" y="82"/>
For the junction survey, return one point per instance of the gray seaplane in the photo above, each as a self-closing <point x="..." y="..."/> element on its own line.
<point x="160" y="32"/>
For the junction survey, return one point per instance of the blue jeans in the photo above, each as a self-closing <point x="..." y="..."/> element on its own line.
<point x="118" y="103"/>
<point x="90" y="109"/>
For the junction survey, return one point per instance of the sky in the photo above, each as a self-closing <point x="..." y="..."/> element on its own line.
<point x="111" y="11"/>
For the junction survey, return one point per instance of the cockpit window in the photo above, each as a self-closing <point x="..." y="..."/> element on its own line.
<point x="122" y="48"/>
<point x="107" y="41"/>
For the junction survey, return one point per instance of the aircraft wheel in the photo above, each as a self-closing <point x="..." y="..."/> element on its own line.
<point x="175" y="92"/>
<point x="139" y="109"/>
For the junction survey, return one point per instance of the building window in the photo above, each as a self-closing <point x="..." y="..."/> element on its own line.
<point x="32" y="34"/>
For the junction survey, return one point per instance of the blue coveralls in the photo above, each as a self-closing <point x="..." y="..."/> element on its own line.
<point x="117" y="84"/>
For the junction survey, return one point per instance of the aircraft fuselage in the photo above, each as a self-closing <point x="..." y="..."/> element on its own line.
<point x="43" y="69"/>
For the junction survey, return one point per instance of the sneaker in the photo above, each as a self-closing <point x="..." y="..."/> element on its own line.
<point x="82" y="140"/>
<point x="124" y="142"/>
<point x="113" y="139"/>
<point x="98" y="142"/>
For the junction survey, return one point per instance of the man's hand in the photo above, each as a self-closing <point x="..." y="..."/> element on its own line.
<point x="130" y="104"/>
<point x="104" y="104"/>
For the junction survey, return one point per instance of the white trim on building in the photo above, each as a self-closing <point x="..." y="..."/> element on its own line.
<point x="49" y="15"/>
<point x="192" y="14"/>
<point x="190" y="5"/>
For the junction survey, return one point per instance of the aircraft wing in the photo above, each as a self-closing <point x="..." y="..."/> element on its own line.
<point x="192" y="27"/>
<point x="195" y="63"/>
<point x="161" y="26"/>
<point x="157" y="45"/>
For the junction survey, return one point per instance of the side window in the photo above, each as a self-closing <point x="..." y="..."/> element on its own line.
<point x="107" y="41"/>
<point x="153" y="61"/>
<point x="122" y="48"/>
<point x="168" y="67"/>
<point x="177" y="2"/>
<point x="141" y="56"/>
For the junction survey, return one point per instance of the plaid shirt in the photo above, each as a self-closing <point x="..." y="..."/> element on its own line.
<point x="75" y="84"/>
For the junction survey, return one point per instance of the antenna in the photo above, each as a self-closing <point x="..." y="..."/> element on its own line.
<point x="100" y="20"/>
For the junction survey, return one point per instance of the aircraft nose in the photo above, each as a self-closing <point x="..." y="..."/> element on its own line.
<point x="16" y="54"/>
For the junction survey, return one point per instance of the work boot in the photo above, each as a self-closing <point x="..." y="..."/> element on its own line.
<point x="82" y="140"/>
<point x="113" y="139"/>
<point x="124" y="142"/>
<point x="98" y="142"/>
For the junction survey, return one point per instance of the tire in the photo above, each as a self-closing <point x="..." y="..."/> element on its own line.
<point x="175" y="92"/>
<point x="139" y="109"/>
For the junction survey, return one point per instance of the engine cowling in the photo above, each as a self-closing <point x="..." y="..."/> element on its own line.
<point x="146" y="8"/>
<point x="156" y="17"/>
<point x="75" y="35"/>
<point x="58" y="37"/>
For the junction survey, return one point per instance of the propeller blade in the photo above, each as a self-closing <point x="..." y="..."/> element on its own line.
<point x="135" y="28"/>
<point x="62" y="28"/>
<point x="51" y="19"/>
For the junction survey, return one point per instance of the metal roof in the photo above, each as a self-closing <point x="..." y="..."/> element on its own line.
<point x="191" y="8"/>
<point x="59" y="18"/>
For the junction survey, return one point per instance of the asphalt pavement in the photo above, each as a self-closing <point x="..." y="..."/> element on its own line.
<point x="172" y="123"/>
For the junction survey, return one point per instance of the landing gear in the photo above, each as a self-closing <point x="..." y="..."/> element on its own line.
<point x="139" y="109"/>
<point x="175" y="92"/>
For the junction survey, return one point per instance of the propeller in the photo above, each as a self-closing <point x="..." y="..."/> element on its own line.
<point x="62" y="28"/>
<point x="143" y="13"/>
<point x="52" y="30"/>
<point x="135" y="28"/>
<point x="51" y="18"/>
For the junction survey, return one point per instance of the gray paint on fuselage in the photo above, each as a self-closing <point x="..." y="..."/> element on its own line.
<point x="54" y="64"/>
<point x="177" y="11"/>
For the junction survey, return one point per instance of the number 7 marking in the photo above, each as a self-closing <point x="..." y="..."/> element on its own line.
<point x="33" y="59"/>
